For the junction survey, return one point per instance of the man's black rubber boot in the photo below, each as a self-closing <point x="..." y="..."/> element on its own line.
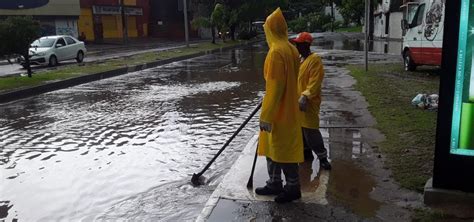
<point x="308" y="155"/>
<point x="324" y="163"/>
<point x="288" y="196"/>
<point x="266" y="190"/>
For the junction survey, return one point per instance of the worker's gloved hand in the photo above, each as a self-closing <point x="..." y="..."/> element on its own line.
<point x="264" y="126"/>
<point x="303" y="102"/>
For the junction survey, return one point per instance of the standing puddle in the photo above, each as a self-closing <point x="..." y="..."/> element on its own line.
<point x="352" y="186"/>
<point x="349" y="183"/>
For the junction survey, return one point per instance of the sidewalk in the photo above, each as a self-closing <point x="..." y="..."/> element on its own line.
<point x="358" y="188"/>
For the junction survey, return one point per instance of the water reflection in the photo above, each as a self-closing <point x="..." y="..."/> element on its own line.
<point x="349" y="183"/>
<point x="352" y="186"/>
<point x="89" y="151"/>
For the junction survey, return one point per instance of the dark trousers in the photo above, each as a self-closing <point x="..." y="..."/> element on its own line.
<point x="313" y="140"/>
<point x="291" y="175"/>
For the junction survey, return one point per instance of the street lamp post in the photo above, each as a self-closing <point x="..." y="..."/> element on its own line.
<point x="367" y="27"/>
<point x="124" y="22"/>
<point x="186" y="31"/>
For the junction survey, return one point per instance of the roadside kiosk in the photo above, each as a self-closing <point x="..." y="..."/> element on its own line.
<point x="453" y="178"/>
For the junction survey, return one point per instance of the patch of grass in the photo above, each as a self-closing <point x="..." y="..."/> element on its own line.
<point x="350" y="29"/>
<point x="410" y="132"/>
<point x="70" y="71"/>
<point x="66" y="72"/>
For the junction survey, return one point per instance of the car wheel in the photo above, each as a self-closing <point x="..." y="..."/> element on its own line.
<point x="408" y="62"/>
<point x="80" y="57"/>
<point x="53" y="61"/>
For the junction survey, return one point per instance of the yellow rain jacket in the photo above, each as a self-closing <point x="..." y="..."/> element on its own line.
<point x="310" y="79"/>
<point x="280" y="104"/>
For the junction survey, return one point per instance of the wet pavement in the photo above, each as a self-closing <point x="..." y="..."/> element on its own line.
<point x="125" y="148"/>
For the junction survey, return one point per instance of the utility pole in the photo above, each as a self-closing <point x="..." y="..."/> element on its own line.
<point x="367" y="27"/>
<point x="124" y="22"/>
<point x="186" y="31"/>
<point x="332" y="15"/>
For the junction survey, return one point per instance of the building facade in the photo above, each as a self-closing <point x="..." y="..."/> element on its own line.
<point x="380" y="21"/>
<point x="102" y="19"/>
<point x="167" y="19"/>
<point x="387" y="20"/>
<point x="337" y="15"/>
<point x="56" y="17"/>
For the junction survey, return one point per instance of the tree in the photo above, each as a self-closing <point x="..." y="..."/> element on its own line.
<point x="332" y="4"/>
<point x="353" y="11"/>
<point x="16" y="35"/>
<point x="231" y="15"/>
<point x="313" y="22"/>
<point x="220" y="18"/>
<point x="203" y="22"/>
<point x="202" y="16"/>
<point x="304" y="7"/>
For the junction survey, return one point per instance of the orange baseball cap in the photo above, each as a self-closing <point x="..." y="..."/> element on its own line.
<point x="303" y="37"/>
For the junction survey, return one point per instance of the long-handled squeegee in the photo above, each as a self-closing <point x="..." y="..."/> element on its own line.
<point x="196" y="179"/>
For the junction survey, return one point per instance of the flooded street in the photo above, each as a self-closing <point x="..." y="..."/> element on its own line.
<point x="380" y="46"/>
<point x="126" y="147"/>
<point x="93" y="151"/>
<point x="354" y="42"/>
<point x="358" y="188"/>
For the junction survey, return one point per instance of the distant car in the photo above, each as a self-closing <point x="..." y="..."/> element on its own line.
<point x="50" y="50"/>
<point x="258" y="25"/>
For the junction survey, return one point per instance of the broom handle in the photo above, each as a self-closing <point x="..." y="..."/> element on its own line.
<point x="230" y="140"/>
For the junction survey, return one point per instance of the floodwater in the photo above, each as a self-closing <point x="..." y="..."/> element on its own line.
<point x="380" y="46"/>
<point x="126" y="147"/>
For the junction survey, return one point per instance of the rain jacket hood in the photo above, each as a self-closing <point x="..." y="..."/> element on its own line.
<point x="276" y="29"/>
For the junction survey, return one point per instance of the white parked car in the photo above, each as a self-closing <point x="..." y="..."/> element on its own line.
<point x="50" y="50"/>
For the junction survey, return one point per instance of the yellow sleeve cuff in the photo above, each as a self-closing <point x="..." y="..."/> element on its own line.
<point x="306" y="93"/>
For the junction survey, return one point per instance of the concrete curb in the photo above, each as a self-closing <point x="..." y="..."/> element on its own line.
<point x="233" y="185"/>
<point x="217" y="194"/>
<point x="62" y="84"/>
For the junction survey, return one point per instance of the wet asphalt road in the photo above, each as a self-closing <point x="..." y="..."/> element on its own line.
<point x="76" y="154"/>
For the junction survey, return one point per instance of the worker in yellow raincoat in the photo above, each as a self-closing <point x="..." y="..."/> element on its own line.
<point x="281" y="139"/>
<point x="310" y="79"/>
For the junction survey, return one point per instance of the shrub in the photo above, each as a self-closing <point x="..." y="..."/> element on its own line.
<point x="298" y="25"/>
<point x="313" y="22"/>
